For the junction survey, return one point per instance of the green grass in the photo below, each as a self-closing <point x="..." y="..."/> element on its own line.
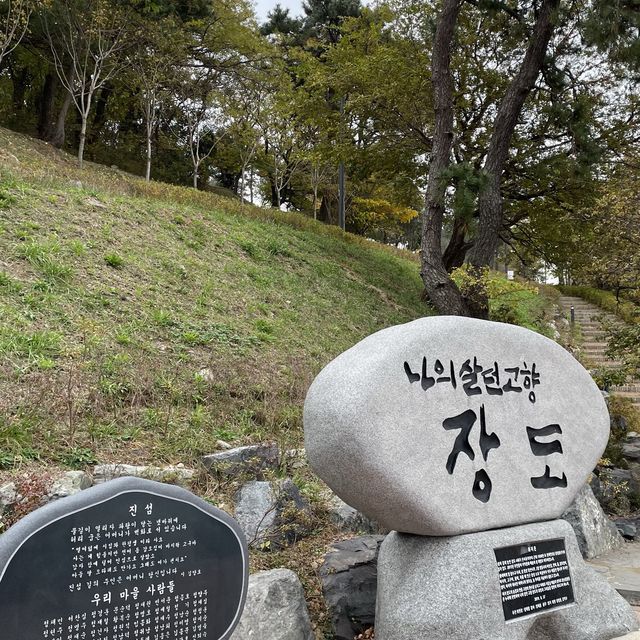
<point x="108" y="313"/>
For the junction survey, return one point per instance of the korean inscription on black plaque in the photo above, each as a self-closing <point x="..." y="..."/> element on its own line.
<point x="127" y="560"/>
<point x="534" y="577"/>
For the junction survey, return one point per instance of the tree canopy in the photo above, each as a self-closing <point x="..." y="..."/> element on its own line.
<point x="512" y="127"/>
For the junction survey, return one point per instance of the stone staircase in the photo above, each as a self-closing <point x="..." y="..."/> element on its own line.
<point x="593" y="341"/>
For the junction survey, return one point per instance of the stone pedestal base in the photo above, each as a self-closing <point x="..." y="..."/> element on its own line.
<point x="449" y="589"/>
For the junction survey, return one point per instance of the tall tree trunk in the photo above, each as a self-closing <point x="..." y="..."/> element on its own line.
<point x="490" y="203"/>
<point x="458" y="246"/>
<point x="439" y="287"/>
<point x="56" y="135"/>
<point x="46" y="105"/>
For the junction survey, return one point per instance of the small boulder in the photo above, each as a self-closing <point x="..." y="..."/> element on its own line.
<point x="8" y="496"/>
<point x="68" y="484"/>
<point x="178" y="475"/>
<point x="350" y="519"/>
<point x="627" y="527"/>
<point x="252" y="459"/>
<point x="349" y="578"/>
<point x="275" y="608"/>
<point x="631" y="449"/>
<point x="272" y="514"/>
<point x="619" y="424"/>
<point x="596" y="534"/>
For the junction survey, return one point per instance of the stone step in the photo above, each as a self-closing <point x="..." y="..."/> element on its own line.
<point x="621" y="569"/>
<point x="627" y="388"/>
<point x="632" y="395"/>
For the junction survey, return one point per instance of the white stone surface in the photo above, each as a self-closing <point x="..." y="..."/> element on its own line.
<point x="8" y="495"/>
<point x="378" y="439"/>
<point x="449" y="589"/>
<point x="69" y="484"/>
<point x="275" y="608"/>
<point x="178" y="475"/>
<point x="596" y="534"/>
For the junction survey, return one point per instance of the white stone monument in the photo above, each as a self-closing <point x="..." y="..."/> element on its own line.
<point x="468" y="439"/>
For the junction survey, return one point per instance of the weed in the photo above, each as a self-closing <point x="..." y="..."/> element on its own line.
<point x="250" y="248"/>
<point x="7" y="284"/>
<point x="79" y="457"/>
<point x="277" y="247"/>
<point x="162" y="318"/>
<point x="114" y="260"/>
<point x="41" y="255"/>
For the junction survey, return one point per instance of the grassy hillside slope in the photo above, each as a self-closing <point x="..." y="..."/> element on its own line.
<point x="142" y="322"/>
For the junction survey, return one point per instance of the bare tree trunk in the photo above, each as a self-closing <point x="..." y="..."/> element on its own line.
<point x="147" y="174"/>
<point x="490" y="201"/>
<point x="195" y="176"/>
<point x="439" y="287"/>
<point x="83" y="137"/>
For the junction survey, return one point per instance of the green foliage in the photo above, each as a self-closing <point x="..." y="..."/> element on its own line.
<point x="376" y="214"/>
<point x="114" y="260"/>
<point x="510" y="301"/>
<point x="79" y="458"/>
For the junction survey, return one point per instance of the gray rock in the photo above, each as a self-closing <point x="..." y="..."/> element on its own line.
<point x="178" y="475"/>
<point x="596" y="487"/>
<point x="275" y="608"/>
<point x="297" y="458"/>
<point x="417" y="470"/>
<point x="70" y="483"/>
<point x="449" y="589"/>
<point x="631" y="449"/>
<point x="619" y="423"/>
<point x="350" y="519"/>
<point x="596" y="534"/>
<point x="272" y="514"/>
<point x="252" y="459"/>
<point x="8" y="496"/>
<point x="627" y="528"/>
<point x="349" y="584"/>
<point x="616" y="483"/>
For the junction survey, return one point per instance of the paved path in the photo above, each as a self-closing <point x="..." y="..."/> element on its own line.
<point x="593" y="344"/>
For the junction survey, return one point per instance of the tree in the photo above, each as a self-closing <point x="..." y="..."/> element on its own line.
<point x="14" y="18"/>
<point x="439" y="286"/>
<point x="154" y="64"/>
<point x="202" y="123"/>
<point x="87" y="40"/>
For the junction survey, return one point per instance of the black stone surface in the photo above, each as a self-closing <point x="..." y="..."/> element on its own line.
<point x="70" y="570"/>
<point x="534" y="578"/>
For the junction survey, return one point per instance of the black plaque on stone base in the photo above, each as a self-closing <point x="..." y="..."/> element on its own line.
<point x="130" y="559"/>
<point x="534" y="577"/>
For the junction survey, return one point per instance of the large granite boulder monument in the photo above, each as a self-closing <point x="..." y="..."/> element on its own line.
<point x="463" y="436"/>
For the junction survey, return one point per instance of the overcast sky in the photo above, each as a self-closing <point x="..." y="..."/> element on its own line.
<point x="264" y="6"/>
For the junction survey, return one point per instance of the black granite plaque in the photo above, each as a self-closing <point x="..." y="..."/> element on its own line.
<point x="534" y="577"/>
<point x="129" y="559"/>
